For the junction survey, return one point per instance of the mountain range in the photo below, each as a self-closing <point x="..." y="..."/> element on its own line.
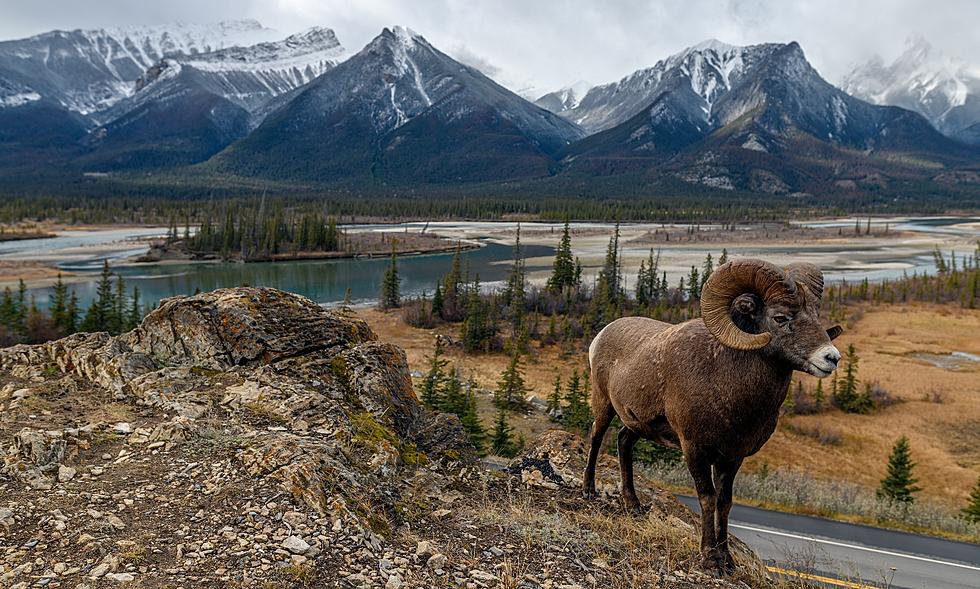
<point x="233" y="100"/>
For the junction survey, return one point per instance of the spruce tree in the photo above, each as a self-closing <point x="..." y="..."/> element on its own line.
<point x="391" y="283"/>
<point x="99" y="315"/>
<point x="59" y="305"/>
<point x="899" y="484"/>
<point x="563" y="269"/>
<point x="430" y="391"/>
<point x="514" y="295"/>
<point x="453" y="397"/>
<point x="693" y="285"/>
<point x="972" y="511"/>
<point x="554" y="399"/>
<point x="501" y="440"/>
<point x="846" y="388"/>
<point x="577" y="414"/>
<point x="437" y="301"/>
<point x="470" y="420"/>
<point x="479" y="328"/>
<point x="71" y="314"/>
<point x="706" y="271"/>
<point x="511" y="389"/>
<point x="610" y="276"/>
<point x="117" y="321"/>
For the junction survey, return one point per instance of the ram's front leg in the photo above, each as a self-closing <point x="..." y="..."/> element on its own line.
<point x="724" y="482"/>
<point x="700" y="469"/>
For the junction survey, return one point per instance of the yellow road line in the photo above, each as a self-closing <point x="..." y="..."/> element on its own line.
<point x="818" y="578"/>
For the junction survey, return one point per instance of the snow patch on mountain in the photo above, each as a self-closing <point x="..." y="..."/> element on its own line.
<point x="709" y="70"/>
<point x="90" y="70"/>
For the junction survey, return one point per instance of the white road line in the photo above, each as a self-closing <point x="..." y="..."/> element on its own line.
<point x="853" y="546"/>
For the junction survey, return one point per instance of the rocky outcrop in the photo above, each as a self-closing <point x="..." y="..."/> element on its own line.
<point x="249" y="437"/>
<point x="323" y="376"/>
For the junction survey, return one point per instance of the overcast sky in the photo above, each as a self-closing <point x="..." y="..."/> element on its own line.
<point x="544" y="45"/>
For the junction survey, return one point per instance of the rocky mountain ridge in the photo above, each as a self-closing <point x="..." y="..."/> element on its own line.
<point x="86" y="71"/>
<point x="400" y="110"/>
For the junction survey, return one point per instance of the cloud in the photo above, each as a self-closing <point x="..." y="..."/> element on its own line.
<point x="547" y="45"/>
<point x="463" y="55"/>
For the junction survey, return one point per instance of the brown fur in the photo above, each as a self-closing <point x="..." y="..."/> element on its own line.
<point x="678" y="385"/>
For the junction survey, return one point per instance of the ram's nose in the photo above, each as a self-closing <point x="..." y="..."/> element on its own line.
<point x="832" y="356"/>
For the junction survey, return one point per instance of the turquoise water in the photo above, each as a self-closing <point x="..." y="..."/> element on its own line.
<point x="323" y="281"/>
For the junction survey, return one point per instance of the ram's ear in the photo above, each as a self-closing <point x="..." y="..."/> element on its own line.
<point x="834" y="332"/>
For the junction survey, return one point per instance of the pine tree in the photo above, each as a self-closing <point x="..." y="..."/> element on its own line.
<point x="479" y="328"/>
<point x="8" y="309"/>
<point x="453" y="397"/>
<point x="99" y="315"/>
<point x="563" y="273"/>
<point x="577" y="414"/>
<point x="514" y="295"/>
<point x="819" y="400"/>
<point x="117" y="322"/>
<point x="511" y="389"/>
<point x="430" y="392"/>
<point x="724" y="256"/>
<point x="899" y="484"/>
<point x="693" y="285"/>
<point x="391" y="283"/>
<point x="610" y="276"/>
<point x="554" y="399"/>
<point x="846" y="389"/>
<point x="470" y="419"/>
<point x="706" y="269"/>
<point x="134" y="315"/>
<point x="437" y="301"/>
<point x="71" y="314"/>
<point x="59" y="305"/>
<point x="501" y="440"/>
<point x="972" y="511"/>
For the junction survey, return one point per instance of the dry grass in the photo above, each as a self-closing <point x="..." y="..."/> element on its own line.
<point x="944" y="435"/>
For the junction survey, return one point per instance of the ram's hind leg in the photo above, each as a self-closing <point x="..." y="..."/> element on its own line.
<point x="627" y="438"/>
<point x="604" y="413"/>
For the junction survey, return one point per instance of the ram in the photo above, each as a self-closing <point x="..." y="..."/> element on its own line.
<point x="710" y="386"/>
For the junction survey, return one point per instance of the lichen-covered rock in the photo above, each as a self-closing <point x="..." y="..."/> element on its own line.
<point x="241" y="326"/>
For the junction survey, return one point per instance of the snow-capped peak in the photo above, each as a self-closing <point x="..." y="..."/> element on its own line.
<point x="943" y="88"/>
<point x="713" y="45"/>
<point x="565" y="98"/>
<point x="90" y="70"/>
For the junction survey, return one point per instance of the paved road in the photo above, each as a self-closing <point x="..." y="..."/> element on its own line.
<point x="864" y="555"/>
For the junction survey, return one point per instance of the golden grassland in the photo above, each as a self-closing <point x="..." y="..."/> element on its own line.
<point x="944" y="435"/>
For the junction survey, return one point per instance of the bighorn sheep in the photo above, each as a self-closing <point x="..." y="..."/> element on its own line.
<point x="710" y="386"/>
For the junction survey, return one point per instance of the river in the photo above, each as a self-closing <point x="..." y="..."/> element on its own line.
<point x="327" y="281"/>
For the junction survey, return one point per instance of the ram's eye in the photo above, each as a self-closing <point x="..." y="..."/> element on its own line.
<point x="781" y="319"/>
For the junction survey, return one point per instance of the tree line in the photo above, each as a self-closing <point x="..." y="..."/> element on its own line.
<point x="114" y="309"/>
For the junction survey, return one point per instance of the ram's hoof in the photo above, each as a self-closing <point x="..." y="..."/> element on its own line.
<point x="721" y="563"/>
<point x="633" y="507"/>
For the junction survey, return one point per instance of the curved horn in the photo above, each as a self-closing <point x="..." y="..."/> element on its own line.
<point x="732" y="279"/>
<point x="808" y="275"/>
